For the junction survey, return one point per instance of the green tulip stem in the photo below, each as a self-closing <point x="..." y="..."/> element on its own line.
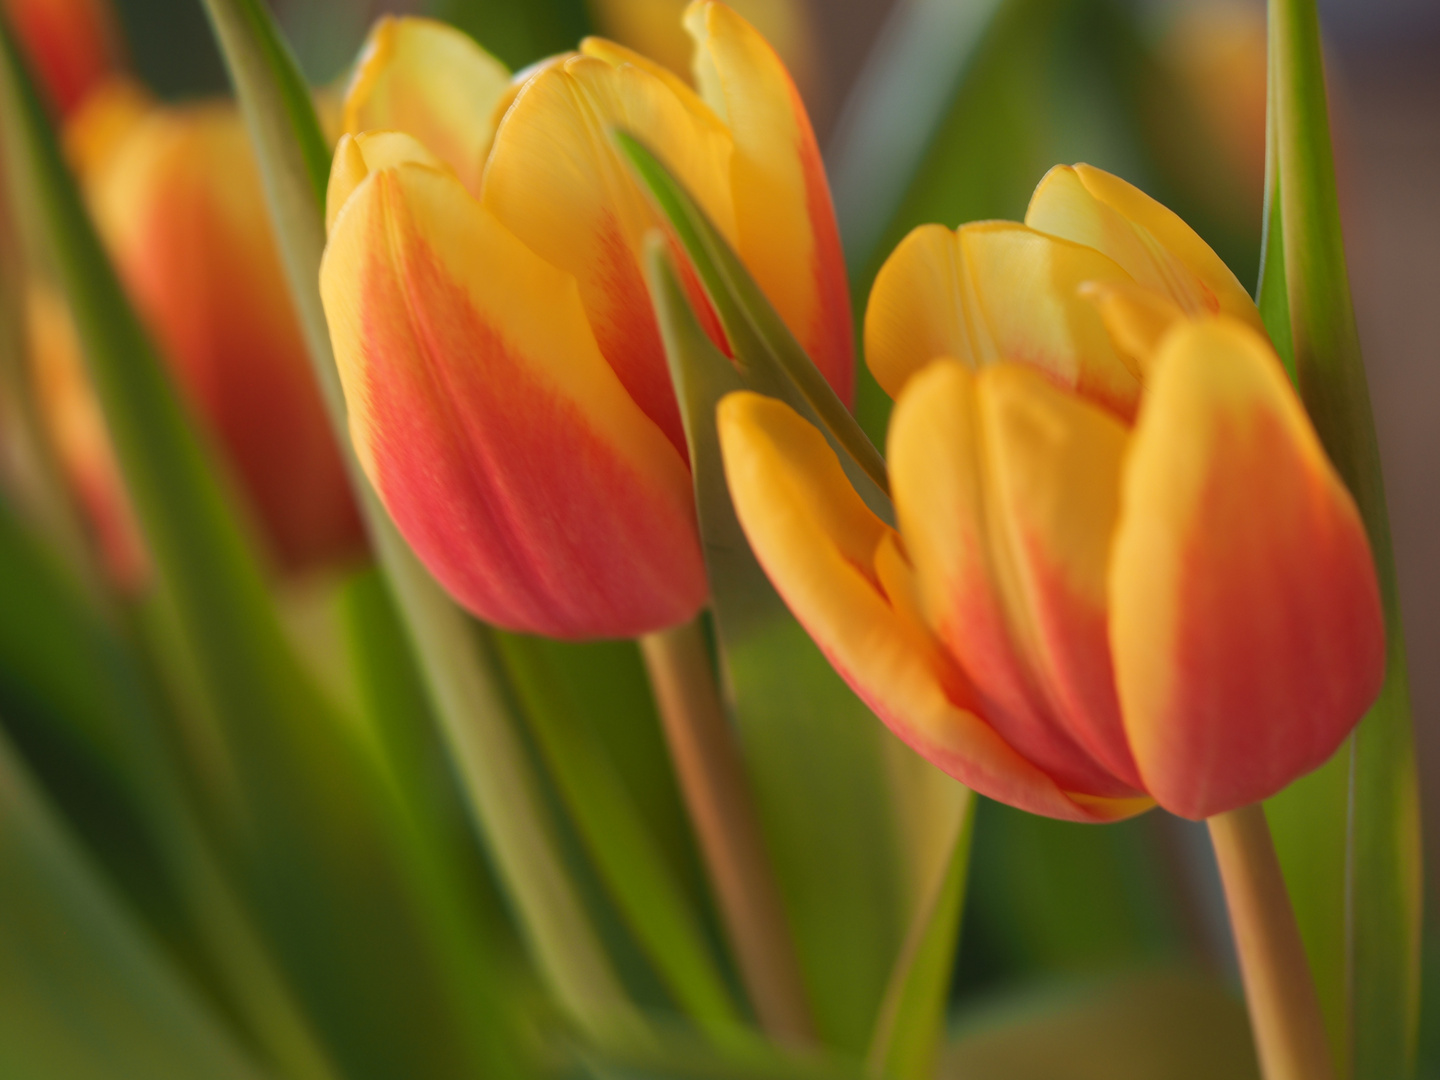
<point x="1279" y="990"/>
<point x="717" y="793"/>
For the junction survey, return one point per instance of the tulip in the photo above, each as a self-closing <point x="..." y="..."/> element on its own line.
<point x="76" y="430"/>
<point x="1124" y="571"/>
<point x="71" y="44"/>
<point x="507" y="387"/>
<point x="176" y="195"/>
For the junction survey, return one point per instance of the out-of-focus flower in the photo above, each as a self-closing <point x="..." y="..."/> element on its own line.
<point x="76" y="429"/>
<point x="1125" y="569"/>
<point x="72" y="45"/>
<point x="176" y="195"/>
<point x="654" y="29"/>
<point x="508" y="390"/>
<point x="1217" y="51"/>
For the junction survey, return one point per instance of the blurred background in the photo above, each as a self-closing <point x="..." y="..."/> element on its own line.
<point x="952" y="110"/>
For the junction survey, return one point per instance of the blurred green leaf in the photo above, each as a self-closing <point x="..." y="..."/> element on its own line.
<point x="517" y="33"/>
<point x="1383" y="890"/>
<point x="1055" y="896"/>
<point x="816" y="755"/>
<point x="912" y="1016"/>
<point x="644" y="886"/>
<point x="318" y="852"/>
<point x="1157" y="1026"/>
<point x="769" y="358"/>
<point x="457" y="658"/>
<point x="85" y="994"/>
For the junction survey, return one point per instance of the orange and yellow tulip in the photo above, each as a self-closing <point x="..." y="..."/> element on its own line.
<point x="176" y="195"/>
<point x="1124" y="571"/>
<point x="71" y="44"/>
<point x="508" y="391"/>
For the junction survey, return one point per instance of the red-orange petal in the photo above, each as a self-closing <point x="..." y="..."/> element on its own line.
<point x="501" y="442"/>
<point x="180" y="206"/>
<point x="845" y="576"/>
<point x="557" y="180"/>
<point x="1246" y="624"/>
<point x="71" y="44"/>
<point x="784" y="217"/>
<point x="1005" y="490"/>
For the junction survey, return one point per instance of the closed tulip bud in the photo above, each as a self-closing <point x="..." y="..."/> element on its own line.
<point x="76" y="429"/>
<point x="1125" y="571"/>
<point x="508" y="391"/>
<point x="176" y="195"/>
<point x="72" y="46"/>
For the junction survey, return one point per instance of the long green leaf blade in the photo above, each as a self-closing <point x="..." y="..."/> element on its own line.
<point x="458" y="663"/>
<point x="1384" y="855"/>
<point x="912" y="1016"/>
<point x="86" y="994"/>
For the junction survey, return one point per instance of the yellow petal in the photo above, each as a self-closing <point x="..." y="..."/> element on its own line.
<point x="1245" y="618"/>
<point x="433" y="82"/>
<point x="557" y="180"/>
<point x="1004" y="487"/>
<point x="844" y="576"/>
<point x="995" y="291"/>
<point x="357" y="156"/>
<point x="1136" y="318"/>
<point x="500" y="441"/>
<point x="1094" y="208"/>
<point x="783" y="213"/>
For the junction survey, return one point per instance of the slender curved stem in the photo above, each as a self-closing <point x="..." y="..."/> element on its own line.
<point x="1279" y="990"/>
<point x="717" y="794"/>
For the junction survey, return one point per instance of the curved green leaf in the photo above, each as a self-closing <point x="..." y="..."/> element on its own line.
<point x="1316" y="319"/>
<point x="86" y="995"/>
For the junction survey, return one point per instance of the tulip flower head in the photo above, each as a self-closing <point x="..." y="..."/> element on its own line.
<point x="176" y="195"/>
<point x="508" y="392"/>
<point x="1124" y="571"/>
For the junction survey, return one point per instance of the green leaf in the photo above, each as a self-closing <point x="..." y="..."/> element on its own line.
<point x="86" y="994"/>
<point x="630" y="862"/>
<point x="517" y="33"/>
<point x="317" y="832"/>
<point x="457" y="659"/>
<point x="1383" y="858"/>
<point x="912" y="1016"/>
<point x="767" y="354"/>
<point x="816" y="756"/>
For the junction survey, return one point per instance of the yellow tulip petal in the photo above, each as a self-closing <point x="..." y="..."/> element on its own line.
<point x="432" y="81"/>
<point x="498" y="437"/>
<point x="1136" y="318"/>
<point x="1000" y="577"/>
<point x="1245" y="618"/>
<point x="557" y="180"/>
<point x="844" y="576"/>
<point x="995" y="291"/>
<point x="1094" y="208"/>
<point x="357" y="156"/>
<point x="784" y="218"/>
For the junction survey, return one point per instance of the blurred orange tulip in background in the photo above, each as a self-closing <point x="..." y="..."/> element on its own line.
<point x="177" y="198"/>
<point x="508" y="391"/>
<point x="1124" y="569"/>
